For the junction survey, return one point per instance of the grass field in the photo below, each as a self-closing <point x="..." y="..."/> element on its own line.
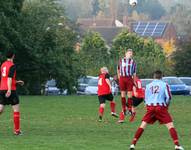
<point x="70" y="123"/>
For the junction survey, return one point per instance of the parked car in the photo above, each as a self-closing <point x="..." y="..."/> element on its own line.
<point x="92" y="86"/>
<point x="145" y="82"/>
<point x="177" y="87"/>
<point x="82" y="84"/>
<point x="51" y="89"/>
<point x="187" y="81"/>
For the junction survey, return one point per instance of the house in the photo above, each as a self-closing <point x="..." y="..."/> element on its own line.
<point x="159" y="31"/>
<point x="164" y="33"/>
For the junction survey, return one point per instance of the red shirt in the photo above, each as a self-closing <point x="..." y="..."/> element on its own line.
<point x="139" y="89"/>
<point x="8" y="71"/>
<point x="103" y="87"/>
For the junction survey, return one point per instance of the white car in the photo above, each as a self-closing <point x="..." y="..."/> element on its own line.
<point x="92" y="87"/>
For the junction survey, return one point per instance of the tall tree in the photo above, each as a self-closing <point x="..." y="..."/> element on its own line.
<point x="94" y="53"/>
<point x="43" y="40"/>
<point x="95" y="7"/>
<point x="182" y="59"/>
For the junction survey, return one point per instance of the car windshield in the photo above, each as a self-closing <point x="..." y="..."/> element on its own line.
<point x="83" y="80"/>
<point x="173" y="81"/>
<point x="146" y="81"/>
<point x="93" y="82"/>
<point x="186" y="81"/>
<point x="51" y="83"/>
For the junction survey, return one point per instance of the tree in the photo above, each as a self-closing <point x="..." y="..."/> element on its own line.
<point x="182" y="59"/>
<point x="95" y="7"/>
<point x="148" y="55"/>
<point x="43" y="40"/>
<point x="94" y="53"/>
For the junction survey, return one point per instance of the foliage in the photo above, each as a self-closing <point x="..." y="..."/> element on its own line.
<point x="182" y="59"/>
<point x="95" y="7"/>
<point x="149" y="7"/>
<point x="168" y="47"/>
<point x="44" y="44"/>
<point x="94" y="53"/>
<point x="148" y="55"/>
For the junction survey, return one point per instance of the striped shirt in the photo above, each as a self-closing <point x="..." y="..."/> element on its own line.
<point x="127" y="67"/>
<point x="157" y="93"/>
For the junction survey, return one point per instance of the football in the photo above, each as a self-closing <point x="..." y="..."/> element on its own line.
<point x="133" y="3"/>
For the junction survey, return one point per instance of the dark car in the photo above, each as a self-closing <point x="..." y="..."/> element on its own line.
<point x="177" y="87"/>
<point x="52" y="89"/>
<point x="187" y="81"/>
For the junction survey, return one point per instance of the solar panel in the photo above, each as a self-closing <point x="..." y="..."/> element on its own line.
<point x="155" y="29"/>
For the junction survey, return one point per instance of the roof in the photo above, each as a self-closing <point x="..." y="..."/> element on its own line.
<point x="100" y="22"/>
<point x="149" y="29"/>
<point x="108" y="33"/>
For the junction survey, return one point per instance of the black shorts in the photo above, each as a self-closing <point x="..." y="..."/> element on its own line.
<point x="103" y="98"/>
<point x="137" y="101"/>
<point x="12" y="100"/>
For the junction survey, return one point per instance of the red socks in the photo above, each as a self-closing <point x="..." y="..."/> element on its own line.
<point x="172" y="132"/>
<point x="16" y="119"/>
<point x="129" y="103"/>
<point x="123" y="102"/>
<point x="174" y="136"/>
<point x="112" y="106"/>
<point x="137" y="135"/>
<point x="101" y="111"/>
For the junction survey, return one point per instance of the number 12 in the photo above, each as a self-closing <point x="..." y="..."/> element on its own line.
<point x="155" y="89"/>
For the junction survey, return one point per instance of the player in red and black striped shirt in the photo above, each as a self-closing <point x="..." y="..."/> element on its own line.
<point x="8" y="93"/>
<point x="126" y="74"/>
<point x="105" y="93"/>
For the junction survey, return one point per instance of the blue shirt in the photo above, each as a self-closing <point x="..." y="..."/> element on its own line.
<point x="157" y="92"/>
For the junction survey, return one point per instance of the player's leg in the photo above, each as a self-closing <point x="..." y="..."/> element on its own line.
<point x="16" y="119"/>
<point x="138" y="134"/>
<point x="14" y="100"/>
<point x="129" y="93"/>
<point x="112" y="105"/>
<point x="174" y="135"/>
<point x="131" y="108"/>
<point x="2" y="101"/>
<point x="124" y="107"/>
<point x="1" y="108"/>
<point x="101" y="107"/>
<point x="136" y="102"/>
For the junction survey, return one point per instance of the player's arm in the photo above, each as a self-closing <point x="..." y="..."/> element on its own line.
<point x="118" y="72"/>
<point x="134" y="91"/>
<point x="168" y="95"/>
<point x="9" y="80"/>
<point x="107" y="80"/>
<point x="20" y="82"/>
<point x="134" y="72"/>
<point x="147" y="93"/>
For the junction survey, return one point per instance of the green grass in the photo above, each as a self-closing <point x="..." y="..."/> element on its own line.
<point x="70" y="123"/>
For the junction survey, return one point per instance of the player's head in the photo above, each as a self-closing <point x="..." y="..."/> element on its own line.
<point x="158" y="74"/>
<point x="104" y="70"/>
<point x="10" y="54"/>
<point x="129" y="53"/>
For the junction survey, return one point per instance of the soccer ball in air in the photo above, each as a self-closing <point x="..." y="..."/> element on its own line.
<point x="133" y="3"/>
